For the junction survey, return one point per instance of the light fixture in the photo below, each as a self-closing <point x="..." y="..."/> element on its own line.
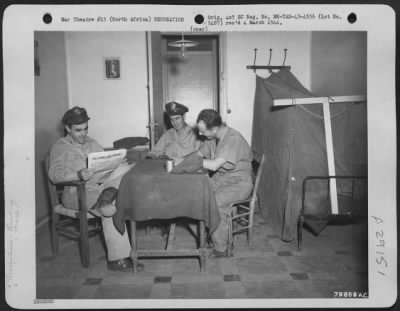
<point x="183" y="44"/>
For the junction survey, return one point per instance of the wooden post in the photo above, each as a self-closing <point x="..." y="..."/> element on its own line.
<point x="330" y="155"/>
<point x="171" y="237"/>
<point x="134" y="253"/>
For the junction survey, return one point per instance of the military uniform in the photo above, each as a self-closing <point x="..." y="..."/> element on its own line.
<point x="67" y="157"/>
<point x="175" y="143"/>
<point x="232" y="181"/>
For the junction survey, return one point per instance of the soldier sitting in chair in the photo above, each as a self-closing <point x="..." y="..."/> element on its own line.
<point x="68" y="163"/>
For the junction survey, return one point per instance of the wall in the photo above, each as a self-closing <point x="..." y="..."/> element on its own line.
<point x="117" y="108"/>
<point x="51" y="101"/>
<point x="125" y="101"/>
<point x="339" y="63"/>
<point x="240" y="82"/>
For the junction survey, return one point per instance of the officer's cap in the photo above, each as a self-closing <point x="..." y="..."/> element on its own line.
<point x="75" y="116"/>
<point x="174" y="108"/>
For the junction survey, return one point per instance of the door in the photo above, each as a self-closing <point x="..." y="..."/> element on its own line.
<point x="190" y="79"/>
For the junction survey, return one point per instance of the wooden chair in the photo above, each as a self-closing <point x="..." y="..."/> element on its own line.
<point x="75" y="224"/>
<point x="317" y="222"/>
<point x="241" y="219"/>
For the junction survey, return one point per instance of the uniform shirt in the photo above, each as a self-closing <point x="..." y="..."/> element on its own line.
<point x="233" y="148"/>
<point x="67" y="158"/>
<point x="232" y="181"/>
<point x="179" y="145"/>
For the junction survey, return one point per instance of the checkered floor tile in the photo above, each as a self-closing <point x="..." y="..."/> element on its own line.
<point x="336" y="260"/>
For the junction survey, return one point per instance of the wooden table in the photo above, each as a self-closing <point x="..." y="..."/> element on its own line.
<point x="148" y="192"/>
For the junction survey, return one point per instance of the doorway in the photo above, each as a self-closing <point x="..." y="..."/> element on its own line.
<point x="191" y="79"/>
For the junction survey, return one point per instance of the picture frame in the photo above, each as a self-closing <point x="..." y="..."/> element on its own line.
<point x="112" y="68"/>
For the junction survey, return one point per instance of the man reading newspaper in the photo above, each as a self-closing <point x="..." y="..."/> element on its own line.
<point x="68" y="158"/>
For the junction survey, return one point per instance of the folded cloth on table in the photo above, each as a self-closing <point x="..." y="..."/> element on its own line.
<point x="151" y="156"/>
<point x="130" y="142"/>
<point x="163" y="157"/>
<point x="193" y="162"/>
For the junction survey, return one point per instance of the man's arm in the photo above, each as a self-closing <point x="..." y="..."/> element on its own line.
<point x="205" y="148"/>
<point x="58" y="171"/>
<point x="205" y="152"/>
<point x="213" y="165"/>
<point x="159" y="148"/>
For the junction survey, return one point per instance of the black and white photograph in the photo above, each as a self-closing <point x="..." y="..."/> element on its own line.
<point x="112" y="68"/>
<point x="234" y="166"/>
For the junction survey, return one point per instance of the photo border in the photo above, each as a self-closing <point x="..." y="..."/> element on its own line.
<point x="381" y="56"/>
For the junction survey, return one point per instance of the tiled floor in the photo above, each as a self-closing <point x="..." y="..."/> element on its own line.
<point x="335" y="261"/>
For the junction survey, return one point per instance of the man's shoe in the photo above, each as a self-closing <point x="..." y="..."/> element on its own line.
<point x="123" y="265"/>
<point x="104" y="206"/>
<point x="218" y="254"/>
<point x="106" y="210"/>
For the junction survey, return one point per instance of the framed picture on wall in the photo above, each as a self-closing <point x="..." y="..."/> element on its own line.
<point x="112" y="68"/>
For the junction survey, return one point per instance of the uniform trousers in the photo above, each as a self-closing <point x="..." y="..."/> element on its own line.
<point x="228" y="189"/>
<point x="118" y="245"/>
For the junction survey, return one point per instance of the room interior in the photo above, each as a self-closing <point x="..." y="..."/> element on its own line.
<point x="71" y="71"/>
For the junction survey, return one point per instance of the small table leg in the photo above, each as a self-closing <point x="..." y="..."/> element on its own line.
<point x="202" y="247"/>
<point x="134" y="256"/>
<point x="171" y="236"/>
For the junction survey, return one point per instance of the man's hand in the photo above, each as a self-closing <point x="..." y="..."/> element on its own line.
<point x="86" y="173"/>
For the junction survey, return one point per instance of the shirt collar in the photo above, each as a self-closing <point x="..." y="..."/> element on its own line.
<point x="185" y="129"/>
<point x="69" y="139"/>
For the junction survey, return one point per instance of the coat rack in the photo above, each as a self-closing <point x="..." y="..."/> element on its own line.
<point x="269" y="66"/>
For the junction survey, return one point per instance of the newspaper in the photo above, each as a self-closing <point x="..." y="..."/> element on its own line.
<point x="105" y="162"/>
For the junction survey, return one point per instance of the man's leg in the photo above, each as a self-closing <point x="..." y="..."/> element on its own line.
<point x="118" y="245"/>
<point x="220" y="235"/>
<point x="115" y="178"/>
<point x="105" y="205"/>
<point x="225" y="194"/>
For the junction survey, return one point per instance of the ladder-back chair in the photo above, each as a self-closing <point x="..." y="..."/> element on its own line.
<point x="76" y="224"/>
<point x="241" y="219"/>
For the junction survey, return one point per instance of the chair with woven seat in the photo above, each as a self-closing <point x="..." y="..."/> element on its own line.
<point x="241" y="219"/>
<point x="75" y="224"/>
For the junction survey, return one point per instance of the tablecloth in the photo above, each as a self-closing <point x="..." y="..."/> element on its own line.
<point x="148" y="191"/>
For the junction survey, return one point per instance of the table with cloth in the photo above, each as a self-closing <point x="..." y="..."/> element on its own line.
<point x="149" y="192"/>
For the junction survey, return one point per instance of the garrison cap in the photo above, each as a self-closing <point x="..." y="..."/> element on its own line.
<point x="75" y="115"/>
<point x="174" y="108"/>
